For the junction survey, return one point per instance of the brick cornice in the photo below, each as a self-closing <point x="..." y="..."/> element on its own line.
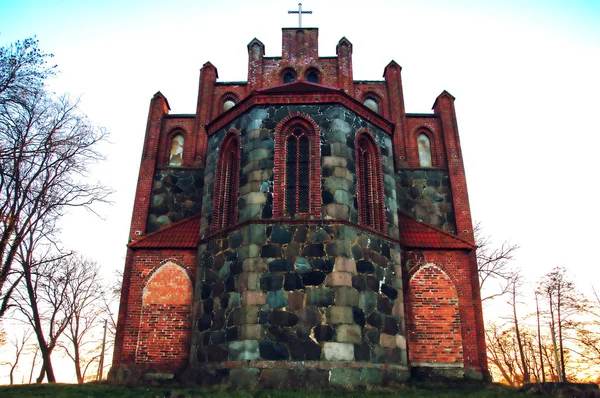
<point x="317" y="95"/>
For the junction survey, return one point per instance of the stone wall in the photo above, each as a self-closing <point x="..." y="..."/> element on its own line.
<point x="324" y="298"/>
<point x="425" y="194"/>
<point x="337" y="128"/>
<point x="176" y="194"/>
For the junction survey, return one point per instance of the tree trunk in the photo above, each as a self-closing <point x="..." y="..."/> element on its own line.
<point x="539" y="335"/>
<point x="526" y="377"/>
<point x="560" y="337"/>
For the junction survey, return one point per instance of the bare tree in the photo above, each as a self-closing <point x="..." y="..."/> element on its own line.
<point x="493" y="264"/>
<point x="18" y="342"/>
<point x="515" y="285"/>
<point x="46" y="147"/>
<point x="86" y="297"/>
<point x="563" y="302"/>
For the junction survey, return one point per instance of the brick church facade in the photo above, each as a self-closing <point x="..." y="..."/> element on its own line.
<point x="300" y="229"/>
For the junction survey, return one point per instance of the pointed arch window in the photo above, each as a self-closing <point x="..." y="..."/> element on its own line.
<point x="176" y="152"/>
<point x="297" y="178"/>
<point x="371" y="209"/>
<point x="225" y="199"/>
<point x="424" y="147"/>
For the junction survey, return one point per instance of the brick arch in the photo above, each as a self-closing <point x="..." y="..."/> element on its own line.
<point x="433" y="318"/>
<point x="167" y="141"/>
<point x="165" y="324"/>
<point x="371" y="203"/>
<point x="228" y="96"/>
<point x="282" y="130"/>
<point x="435" y="142"/>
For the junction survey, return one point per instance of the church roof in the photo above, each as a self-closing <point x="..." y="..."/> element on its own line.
<point x="184" y="234"/>
<point x="416" y="234"/>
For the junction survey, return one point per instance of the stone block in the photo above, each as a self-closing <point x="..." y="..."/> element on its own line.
<point x="319" y="297"/>
<point x="279" y="379"/>
<point x="250" y="211"/>
<point x="335" y="184"/>
<point x="253" y="298"/>
<point x="244" y="350"/>
<point x="314" y="379"/>
<point x="246" y="315"/>
<point x="344" y="378"/>
<point x="296" y="300"/>
<point x="333" y="161"/>
<point x="255" y="264"/>
<point x="388" y="340"/>
<point x="255" y="233"/>
<point x="401" y="342"/>
<point x="348" y="334"/>
<point x="339" y="279"/>
<point x="244" y="378"/>
<point x="345" y="264"/>
<point x="336" y="211"/>
<point x="318" y="236"/>
<point x="248" y="251"/>
<point x="338" y="352"/>
<point x="338" y="248"/>
<point x="251" y="332"/>
<point x="370" y="377"/>
<point x="277" y="299"/>
<point x="248" y="281"/>
<point x="343" y="197"/>
<point x="345" y="296"/>
<point x="338" y="315"/>
<point x="342" y="172"/>
<point x="303" y="265"/>
<point x="367" y="301"/>
<point x="398" y="309"/>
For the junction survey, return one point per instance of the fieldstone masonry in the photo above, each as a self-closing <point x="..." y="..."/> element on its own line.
<point x="375" y="282"/>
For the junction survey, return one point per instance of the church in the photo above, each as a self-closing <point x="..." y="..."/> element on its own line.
<point x="300" y="229"/>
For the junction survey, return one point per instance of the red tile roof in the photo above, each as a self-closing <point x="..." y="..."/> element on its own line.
<point x="184" y="234"/>
<point x="420" y="235"/>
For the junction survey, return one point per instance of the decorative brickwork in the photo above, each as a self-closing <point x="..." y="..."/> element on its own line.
<point x="326" y="255"/>
<point x="433" y="319"/>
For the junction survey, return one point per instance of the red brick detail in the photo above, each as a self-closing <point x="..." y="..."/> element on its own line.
<point x="154" y="333"/>
<point x="167" y="141"/>
<point x="208" y="77"/>
<point x="287" y="126"/>
<point x="159" y="108"/>
<point x="416" y="234"/>
<point x="444" y="108"/>
<point x="165" y="326"/>
<point x="433" y="321"/>
<point x="183" y="234"/>
<point x="460" y="267"/>
<point x="432" y="129"/>
<point x="397" y="112"/>
<point x="371" y="205"/>
<point x="224" y="211"/>
<point x="300" y="92"/>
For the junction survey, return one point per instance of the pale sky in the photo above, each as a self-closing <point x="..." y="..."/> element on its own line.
<point x="525" y="77"/>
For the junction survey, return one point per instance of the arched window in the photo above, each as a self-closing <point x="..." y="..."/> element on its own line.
<point x="289" y="76"/>
<point x="224" y="212"/>
<point x="372" y="104"/>
<point x="424" y="146"/>
<point x="227" y="105"/>
<point x="297" y="164"/>
<point x="176" y="153"/>
<point x="312" y="76"/>
<point x="371" y="210"/>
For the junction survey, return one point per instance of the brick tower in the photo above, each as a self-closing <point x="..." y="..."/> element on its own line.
<point x="301" y="229"/>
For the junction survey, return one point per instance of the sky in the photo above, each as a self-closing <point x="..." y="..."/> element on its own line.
<point x="526" y="77"/>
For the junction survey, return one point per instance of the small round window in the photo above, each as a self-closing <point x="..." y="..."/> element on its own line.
<point x="372" y="105"/>
<point x="227" y="105"/>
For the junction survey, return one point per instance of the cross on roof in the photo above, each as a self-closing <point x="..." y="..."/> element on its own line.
<point x="299" y="12"/>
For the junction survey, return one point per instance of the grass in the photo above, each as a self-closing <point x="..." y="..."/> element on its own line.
<point x="106" y="390"/>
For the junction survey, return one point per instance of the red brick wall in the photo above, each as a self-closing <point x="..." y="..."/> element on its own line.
<point x="434" y="333"/>
<point x="155" y="313"/>
<point x="165" y="325"/>
<point x="458" y="268"/>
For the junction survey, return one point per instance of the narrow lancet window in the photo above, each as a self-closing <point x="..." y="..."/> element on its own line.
<point x="371" y="209"/>
<point x="424" y="146"/>
<point x="176" y="153"/>
<point x="312" y="77"/>
<point x="297" y="163"/>
<point x="226" y="185"/>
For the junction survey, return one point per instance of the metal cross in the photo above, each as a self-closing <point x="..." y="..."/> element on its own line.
<point x="299" y="12"/>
